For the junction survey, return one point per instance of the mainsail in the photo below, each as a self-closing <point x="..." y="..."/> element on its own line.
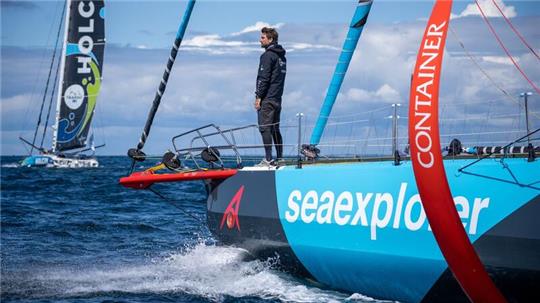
<point x="82" y="64"/>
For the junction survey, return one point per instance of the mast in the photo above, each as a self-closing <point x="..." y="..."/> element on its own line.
<point x="136" y="153"/>
<point x="349" y="45"/>
<point x="61" y="81"/>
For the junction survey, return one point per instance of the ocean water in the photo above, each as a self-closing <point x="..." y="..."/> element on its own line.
<point x="76" y="235"/>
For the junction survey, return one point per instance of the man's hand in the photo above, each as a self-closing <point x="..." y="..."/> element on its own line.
<point x="257" y="104"/>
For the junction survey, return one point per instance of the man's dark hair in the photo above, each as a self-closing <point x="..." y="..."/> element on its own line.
<point x="270" y="33"/>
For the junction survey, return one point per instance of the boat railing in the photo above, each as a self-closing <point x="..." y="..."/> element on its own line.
<point x="349" y="137"/>
<point x="200" y="134"/>
<point x="209" y="141"/>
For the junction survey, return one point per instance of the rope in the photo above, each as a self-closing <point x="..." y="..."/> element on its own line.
<point x="357" y="114"/>
<point x="326" y="143"/>
<point x="47" y="84"/>
<point x="515" y="30"/>
<point x="482" y="118"/>
<point x="506" y="50"/>
<point x="504" y="147"/>
<point x="50" y="104"/>
<point x="173" y="203"/>
<point x="503" y="91"/>
<point x="38" y="76"/>
<point x="347" y="122"/>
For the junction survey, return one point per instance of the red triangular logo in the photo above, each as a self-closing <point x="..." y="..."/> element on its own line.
<point x="231" y="213"/>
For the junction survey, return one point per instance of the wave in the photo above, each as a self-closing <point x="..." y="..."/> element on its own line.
<point x="10" y="165"/>
<point x="207" y="271"/>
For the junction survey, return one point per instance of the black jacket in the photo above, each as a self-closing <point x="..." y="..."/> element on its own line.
<point x="271" y="75"/>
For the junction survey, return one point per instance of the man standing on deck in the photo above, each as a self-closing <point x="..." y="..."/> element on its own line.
<point x="268" y="92"/>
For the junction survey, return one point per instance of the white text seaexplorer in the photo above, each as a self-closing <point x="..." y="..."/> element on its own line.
<point x="348" y="208"/>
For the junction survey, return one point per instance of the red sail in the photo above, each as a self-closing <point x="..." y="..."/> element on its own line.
<point x="428" y="165"/>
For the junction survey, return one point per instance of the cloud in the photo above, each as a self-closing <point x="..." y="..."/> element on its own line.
<point x="292" y="47"/>
<point x="217" y="45"/>
<point x="499" y="60"/>
<point x="384" y="93"/>
<point x="213" y="40"/>
<point x="207" y="88"/>
<point x="246" y="41"/>
<point x="16" y="103"/>
<point x="256" y="28"/>
<point x="489" y="9"/>
<point x="387" y="93"/>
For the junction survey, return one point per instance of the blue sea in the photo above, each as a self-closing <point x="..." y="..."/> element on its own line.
<point x="76" y="235"/>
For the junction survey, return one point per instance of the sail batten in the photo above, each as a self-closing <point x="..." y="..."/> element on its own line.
<point x="82" y="64"/>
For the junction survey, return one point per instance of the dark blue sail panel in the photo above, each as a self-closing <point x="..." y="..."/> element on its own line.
<point x="82" y="73"/>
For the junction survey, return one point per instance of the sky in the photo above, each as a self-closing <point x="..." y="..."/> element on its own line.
<point x="214" y="75"/>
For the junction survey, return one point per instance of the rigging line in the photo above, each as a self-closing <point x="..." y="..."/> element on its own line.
<point x="173" y="203"/>
<point x="480" y="68"/>
<point x="515" y="30"/>
<point x="358" y="114"/>
<point x="48" y="79"/>
<point x="351" y="134"/>
<point x="348" y="122"/>
<point x="502" y="180"/>
<point x="474" y="144"/>
<point x="472" y="102"/>
<point x="478" y="117"/>
<point x="100" y="125"/>
<point x="527" y="140"/>
<point x="504" y="147"/>
<point x="38" y="75"/>
<point x="505" y="49"/>
<point x="481" y="133"/>
<point x="405" y="137"/>
<point x="368" y="135"/>
<point x="52" y="94"/>
<point x="515" y="100"/>
<point x="485" y="126"/>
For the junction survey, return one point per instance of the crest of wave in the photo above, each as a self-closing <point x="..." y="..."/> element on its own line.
<point x="10" y="165"/>
<point x="211" y="272"/>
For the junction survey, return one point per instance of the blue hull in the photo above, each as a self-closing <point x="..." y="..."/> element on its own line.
<point x="37" y="161"/>
<point x="361" y="227"/>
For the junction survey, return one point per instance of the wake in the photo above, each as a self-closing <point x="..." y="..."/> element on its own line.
<point x="210" y="272"/>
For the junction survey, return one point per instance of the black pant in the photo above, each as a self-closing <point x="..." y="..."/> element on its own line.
<point x="268" y="119"/>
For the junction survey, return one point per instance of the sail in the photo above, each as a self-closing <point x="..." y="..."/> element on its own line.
<point x="429" y="171"/>
<point x="82" y="72"/>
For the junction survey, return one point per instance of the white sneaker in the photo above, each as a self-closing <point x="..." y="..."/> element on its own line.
<point x="266" y="163"/>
